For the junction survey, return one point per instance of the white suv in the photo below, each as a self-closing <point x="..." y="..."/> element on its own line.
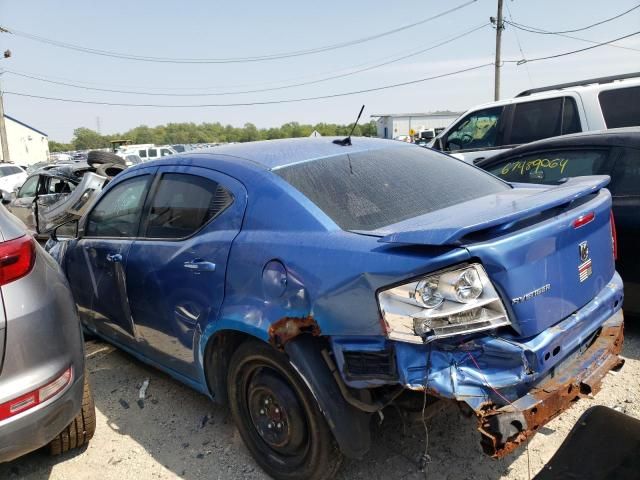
<point x="595" y="104"/>
<point x="11" y="177"/>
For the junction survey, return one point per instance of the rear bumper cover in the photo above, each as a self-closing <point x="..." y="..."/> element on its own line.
<point x="35" y="428"/>
<point x="504" y="428"/>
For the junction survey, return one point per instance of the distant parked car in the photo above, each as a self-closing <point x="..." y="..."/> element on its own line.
<point x="613" y="152"/>
<point x="587" y="105"/>
<point x="11" y="177"/>
<point x="309" y="283"/>
<point x="146" y="152"/>
<point x="45" y="398"/>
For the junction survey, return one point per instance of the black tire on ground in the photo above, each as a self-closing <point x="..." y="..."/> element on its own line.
<point x="277" y="416"/>
<point x="97" y="157"/>
<point x="109" y="170"/>
<point x="81" y="429"/>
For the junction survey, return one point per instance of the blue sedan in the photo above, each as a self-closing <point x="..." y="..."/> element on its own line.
<point x="309" y="284"/>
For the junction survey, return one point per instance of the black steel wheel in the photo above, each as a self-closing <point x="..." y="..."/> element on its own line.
<point x="277" y="416"/>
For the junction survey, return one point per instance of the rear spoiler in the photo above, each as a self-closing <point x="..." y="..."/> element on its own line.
<point x="449" y="225"/>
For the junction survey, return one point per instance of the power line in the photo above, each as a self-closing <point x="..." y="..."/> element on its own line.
<point x="531" y="29"/>
<point x="266" y="102"/>
<point x="581" y="28"/>
<point x="564" y="54"/>
<point x="520" y="47"/>
<point x="261" y="58"/>
<point x="282" y="87"/>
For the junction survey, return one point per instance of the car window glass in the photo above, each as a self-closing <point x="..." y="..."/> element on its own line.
<point x="477" y="130"/>
<point x="621" y="107"/>
<point x="165" y="151"/>
<point x="117" y="214"/>
<point x="29" y="187"/>
<point x="143" y="153"/>
<point x="570" y="117"/>
<point x="183" y="203"/>
<point x="536" y="120"/>
<point x="373" y="189"/>
<point x="153" y="152"/>
<point x="626" y="175"/>
<point x="4" y="171"/>
<point x="550" y="167"/>
<point x="58" y="185"/>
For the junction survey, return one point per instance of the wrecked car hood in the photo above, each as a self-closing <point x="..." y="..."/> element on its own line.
<point x="57" y="208"/>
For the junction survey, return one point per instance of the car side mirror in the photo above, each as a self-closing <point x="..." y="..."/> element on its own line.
<point x="66" y="231"/>
<point x="8" y="197"/>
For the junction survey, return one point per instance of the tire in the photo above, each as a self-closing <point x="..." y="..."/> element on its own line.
<point x="81" y="429"/>
<point x="97" y="157"/>
<point x="109" y="170"/>
<point x="289" y="437"/>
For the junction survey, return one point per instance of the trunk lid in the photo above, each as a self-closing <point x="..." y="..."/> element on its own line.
<point x="544" y="266"/>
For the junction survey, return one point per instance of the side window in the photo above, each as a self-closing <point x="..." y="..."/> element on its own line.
<point x="29" y="187"/>
<point x="536" y="120"/>
<point x="477" y="130"/>
<point x="153" y="153"/>
<point x="58" y="185"/>
<point x="183" y="203"/>
<point x="550" y="167"/>
<point x="570" y="117"/>
<point x="142" y="153"/>
<point x="626" y="175"/>
<point x="621" y="107"/>
<point x="165" y="151"/>
<point x="117" y="214"/>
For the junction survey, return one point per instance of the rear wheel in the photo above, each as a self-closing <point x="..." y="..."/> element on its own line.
<point x="81" y="429"/>
<point x="277" y="416"/>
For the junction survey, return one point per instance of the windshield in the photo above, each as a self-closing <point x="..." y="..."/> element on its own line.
<point x="373" y="189"/>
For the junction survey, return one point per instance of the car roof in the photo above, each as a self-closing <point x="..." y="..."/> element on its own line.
<point x="273" y="154"/>
<point x="615" y="137"/>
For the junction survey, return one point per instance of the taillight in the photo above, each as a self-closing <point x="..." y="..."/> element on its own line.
<point x="36" y="397"/>
<point x="614" y="237"/>
<point x="16" y="259"/>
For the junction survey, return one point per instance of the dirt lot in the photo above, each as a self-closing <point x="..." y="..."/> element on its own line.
<point x="180" y="434"/>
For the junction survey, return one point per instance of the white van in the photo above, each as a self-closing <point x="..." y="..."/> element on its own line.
<point x="595" y="104"/>
<point x="146" y="152"/>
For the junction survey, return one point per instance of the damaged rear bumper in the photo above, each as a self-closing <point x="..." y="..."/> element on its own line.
<point x="503" y="429"/>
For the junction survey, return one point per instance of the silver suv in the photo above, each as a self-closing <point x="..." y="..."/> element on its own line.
<point x="44" y="396"/>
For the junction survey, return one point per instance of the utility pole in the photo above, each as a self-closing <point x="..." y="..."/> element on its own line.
<point x="3" y="132"/>
<point x="499" y="27"/>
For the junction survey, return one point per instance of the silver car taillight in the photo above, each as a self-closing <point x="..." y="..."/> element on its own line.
<point x="454" y="301"/>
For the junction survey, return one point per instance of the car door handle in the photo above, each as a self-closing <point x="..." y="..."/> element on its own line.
<point x="114" y="257"/>
<point x="200" y="265"/>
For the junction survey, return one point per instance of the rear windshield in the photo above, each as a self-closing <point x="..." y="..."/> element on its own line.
<point x="370" y="190"/>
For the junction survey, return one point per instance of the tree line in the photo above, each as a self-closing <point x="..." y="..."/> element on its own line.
<point x="175" y="133"/>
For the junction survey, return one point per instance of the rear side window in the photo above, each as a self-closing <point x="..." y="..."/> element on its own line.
<point x="153" y="152"/>
<point x="117" y="214"/>
<point x="551" y="166"/>
<point x="370" y="190"/>
<point x="626" y="176"/>
<point x="621" y="107"/>
<point x="183" y="203"/>
<point x="142" y="153"/>
<point x="536" y="120"/>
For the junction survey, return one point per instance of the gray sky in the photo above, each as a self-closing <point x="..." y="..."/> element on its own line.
<point x="214" y="29"/>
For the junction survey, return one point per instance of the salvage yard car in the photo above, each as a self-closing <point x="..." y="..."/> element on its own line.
<point x="310" y="283"/>
<point x="55" y="194"/>
<point x="613" y="152"/>
<point x="45" y="398"/>
<point x="11" y="177"/>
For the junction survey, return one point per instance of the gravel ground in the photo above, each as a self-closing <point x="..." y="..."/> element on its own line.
<point x="180" y="434"/>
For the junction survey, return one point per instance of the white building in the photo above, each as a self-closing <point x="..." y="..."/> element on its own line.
<point x="393" y="125"/>
<point x="27" y="145"/>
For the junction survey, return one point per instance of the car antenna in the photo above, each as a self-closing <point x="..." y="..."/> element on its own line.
<point x="346" y="142"/>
